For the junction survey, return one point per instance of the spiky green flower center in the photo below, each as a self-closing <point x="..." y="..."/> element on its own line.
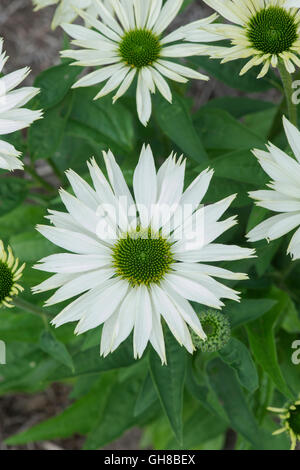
<point x="6" y="281"/>
<point x="294" y="420"/>
<point x="139" y="48"/>
<point x="216" y="326"/>
<point x="142" y="258"/>
<point x="272" y="30"/>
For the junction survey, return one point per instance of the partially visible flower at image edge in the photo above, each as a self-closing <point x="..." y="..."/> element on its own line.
<point x="130" y="44"/>
<point x="66" y="9"/>
<point x="129" y="281"/>
<point x="10" y="273"/>
<point x="266" y="31"/>
<point x="13" y="116"/>
<point x="284" y="193"/>
<point x="290" y="420"/>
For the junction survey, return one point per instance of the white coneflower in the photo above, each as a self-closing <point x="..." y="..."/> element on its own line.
<point x="13" y="116"/>
<point x="10" y="273"/>
<point x="131" y="44"/>
<point x="266" y="31"/>
<point x="290" y="419"/>
<point x="66" y="9"/>
<point x="284" y="194"/>
<point x="146" y="263"/>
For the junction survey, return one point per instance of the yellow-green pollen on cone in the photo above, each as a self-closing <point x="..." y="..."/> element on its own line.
<point x="139" y="48"/>
<point x="290" y="420"/>
<point x="10" y="273"/>
<point x="142" y="258"/>
<point x="272" y="30"/>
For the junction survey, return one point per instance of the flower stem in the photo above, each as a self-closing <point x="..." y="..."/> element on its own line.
<point x="28" y="307"/>
<point x="287" y="82"/>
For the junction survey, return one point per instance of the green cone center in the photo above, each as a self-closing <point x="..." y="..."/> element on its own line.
<point x="272" y="30"/>
<point x="141" y="258"/>
<point x="139" y="48"/>
<point x="6" y="281"/>
<point x="294" y="420"/>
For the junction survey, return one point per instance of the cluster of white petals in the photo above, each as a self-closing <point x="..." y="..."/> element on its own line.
<point x="102" y="47"/>
<point x="284" y="193"/>
<point x="88" y="271"/>
<point x="13" y="116"/>
<point x="66" y="9"/>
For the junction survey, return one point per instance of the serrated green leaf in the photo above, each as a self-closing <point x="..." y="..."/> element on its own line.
<point x="56" y="349"/>
<point x="236" y="355"/>
<point x="54" y="83"/>
<point x="247" y="310"/>
<point x="223" y="380"/>
<point x="176" y="122"/>
<point x="262" y="342"/>
<point x="117" y="416"/>
<point x="169" y="380"/>
<point x="146" y="397"/>
<point x="13" y="191"/>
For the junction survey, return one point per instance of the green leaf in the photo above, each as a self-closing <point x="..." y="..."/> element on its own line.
<point x="219" y="130"/>
<point x="240" y="166"/>
<point x="20" y="219"/>
<point x="291" y="320"/>
<point x="146" y="397"/>
<point x="262" y="342"/>
<point x="198" y="429"/>
<point x="90" y="362"/>
<point x="55" y="83"/>
<point x="239" y="106"/>
<point x="247" y="310"/>
<point x="236" y="355"/>
<point x="50" y="345"/>
<point x="31" y="246"/>
<point x="176" y="122"/>
<point x="117" y="416"/>
<point x="13" y="191"/>
<point x="45" y="135"/>
<point x="101" y="122"/>
<point x="289" y="369"/>
<point x="169" y="381"/>
<point x="23" y="327"/>
<point x="80" y="417"/>
<point x="223" y="380"/>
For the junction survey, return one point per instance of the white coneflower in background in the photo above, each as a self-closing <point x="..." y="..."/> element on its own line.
<point x="13" y="116"/>
<point x="137" y="272"/>
<point x="66" y="9"/>
<point x="266" y="31"/>
<point x="131" y="44"/>
<point x="284" y="193"/>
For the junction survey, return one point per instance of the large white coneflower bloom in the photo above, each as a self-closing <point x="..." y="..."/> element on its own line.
<point x="284" y="194"/>
<point x="13" y="116"/>
<point x="134" y="261"/>
<point x="265" y="31"/>
<point x="66" y="9"/>
<point x="131" y="44"/>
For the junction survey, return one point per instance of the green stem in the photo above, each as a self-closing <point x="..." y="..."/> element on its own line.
<point x="33" y="173"/>
<point x="28" y="307"/>
<point x="287" y="82"/>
